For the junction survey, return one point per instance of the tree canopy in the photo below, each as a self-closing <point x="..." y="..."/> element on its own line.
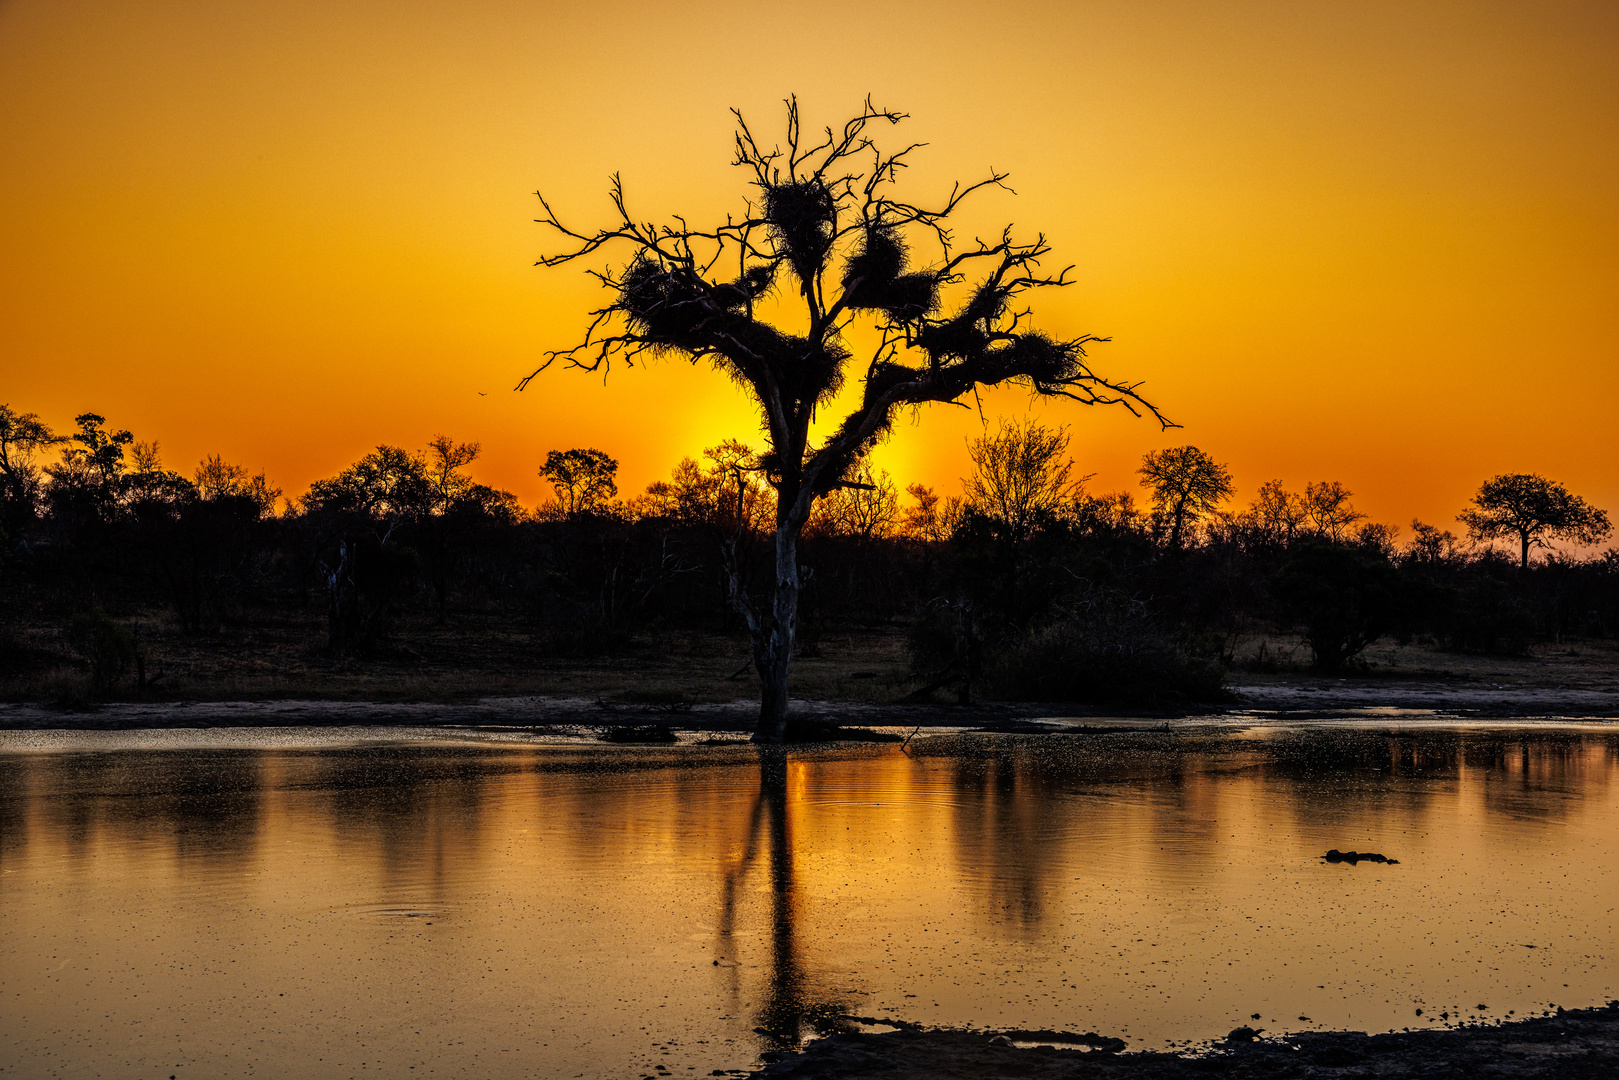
<point x="1022" y="477"/>
<point x="582" y="478"/>
<point x="1186" y="484"/>
<point x="1535" y="510"/>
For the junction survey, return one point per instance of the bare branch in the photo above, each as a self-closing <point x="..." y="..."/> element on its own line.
<point x="666" y="299"/>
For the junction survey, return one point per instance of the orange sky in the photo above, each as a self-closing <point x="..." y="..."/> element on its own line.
<point x="1377" y="243"/>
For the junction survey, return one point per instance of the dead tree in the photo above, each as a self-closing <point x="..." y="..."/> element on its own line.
<point x="825" y="231"/>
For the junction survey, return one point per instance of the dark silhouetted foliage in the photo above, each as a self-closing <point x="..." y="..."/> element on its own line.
<point x="1343" y="597"/>
<point x="1024" y="586"/>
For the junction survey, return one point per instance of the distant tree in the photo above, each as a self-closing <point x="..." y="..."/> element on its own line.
<point x="1022" y="477"/>
<point x="828" y="235"/>
<point x="1276" y="513"/>
<point x="583" y="479"/>
<point x="87" y="484"/>
<point x="1534" y="510"/>
<point x="457" y="512"/>
<point x="1187" y="484"/>
<point x="202" y="536"/>
<point x="1376" y="536"/>
<point x="382" y="491"/>
<point x="145" y="456"/>
<point x="22" y="435"/>
<point x="1430" y="545"/>
<point x="148" y="482"/>
<point x="867" y="506"/>
<point x="362" y="512"/>
<point x="391" y="514"/>
<point x="446" y="460"/>
<point x="721" y="503"/>
<point x="1114" y="513"/>
<point x="931" y="519"/>
<point x="724" y="492"/>
<point x="218" y="479"/>
<point x="100" y="451"/>
<point x="1327" y="508"/>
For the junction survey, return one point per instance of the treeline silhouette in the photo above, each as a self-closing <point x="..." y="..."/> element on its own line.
<point x="1024" y="585"/>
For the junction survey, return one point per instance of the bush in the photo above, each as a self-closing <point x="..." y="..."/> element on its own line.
<point x="1490" y="617"/>
<point x="947" y="647"/>
<point x="1344" y="598"/>
<point x="107" y="645"/>
<point x="1104" y="662"/>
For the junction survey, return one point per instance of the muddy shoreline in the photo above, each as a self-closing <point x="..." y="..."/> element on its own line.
<point x="1578" y="1044"/>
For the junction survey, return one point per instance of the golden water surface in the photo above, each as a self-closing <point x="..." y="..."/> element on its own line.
<point x="394" y="905"/>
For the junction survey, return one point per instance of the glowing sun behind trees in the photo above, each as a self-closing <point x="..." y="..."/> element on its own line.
<point x="826" y="230"/>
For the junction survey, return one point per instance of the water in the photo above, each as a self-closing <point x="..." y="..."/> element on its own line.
<point x="398" y="904"/>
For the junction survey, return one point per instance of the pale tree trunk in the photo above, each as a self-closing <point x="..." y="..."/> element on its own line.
<point x="773" y="644"/>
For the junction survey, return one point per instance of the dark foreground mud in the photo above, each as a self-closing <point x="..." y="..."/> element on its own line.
<point x="1578" y="1045"/>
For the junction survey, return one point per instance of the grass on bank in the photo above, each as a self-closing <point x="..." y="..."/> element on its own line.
<point x="473" y="656"/>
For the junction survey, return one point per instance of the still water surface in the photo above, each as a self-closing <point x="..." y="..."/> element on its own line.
<point x="266" y="903"/>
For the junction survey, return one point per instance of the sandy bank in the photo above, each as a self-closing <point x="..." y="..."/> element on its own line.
<point x="1302" y="700"/>
<point x="1459" y="699"/>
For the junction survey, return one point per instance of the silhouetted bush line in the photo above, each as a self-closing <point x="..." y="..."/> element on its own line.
<point x="1026" y="588"/>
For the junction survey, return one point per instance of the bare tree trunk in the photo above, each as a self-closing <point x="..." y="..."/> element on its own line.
<point x="964" y="652"/>
<point x="1524" y="563"/>
<point x="342" y="605"/>
<point x="773" y="645"/>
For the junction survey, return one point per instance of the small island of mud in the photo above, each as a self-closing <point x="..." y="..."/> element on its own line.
<point x="1576" y="1044"/>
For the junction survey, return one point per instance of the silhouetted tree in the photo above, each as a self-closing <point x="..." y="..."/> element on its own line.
<point x="1276" y="514"/>
<point x="363" y="510"/>
<point x="85" y="498"/>
<point x="201" y="537"/>
<point x="828" y="231"/>
<point x="92" y="468"/>
<point x="932" y="519"/>
<point x="217" y="478"/>
<point x="1021" y="477"/>
<point x="455" y="513"/>
<point x="867" y="506"/>
<point x="583" y="479"/>
<point x="1431" y="545"/>
<point x="22" y="435"/>
<point x="1328" y="511"/>
<point x="1186" y="484"/>
<point x="1021" y="485"/>
<point x="1533" y="509"/>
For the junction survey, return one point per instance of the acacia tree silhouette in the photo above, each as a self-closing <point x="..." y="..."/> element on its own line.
<point x="827" y="229"/>
<point x="1532" y="508"/>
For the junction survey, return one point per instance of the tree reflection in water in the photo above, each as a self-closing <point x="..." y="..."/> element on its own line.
<point x="792" y="1006"/>
<point x="414" y="900"/>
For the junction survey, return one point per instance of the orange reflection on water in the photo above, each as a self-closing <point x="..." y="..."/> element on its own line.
<point x="463" y="909"/>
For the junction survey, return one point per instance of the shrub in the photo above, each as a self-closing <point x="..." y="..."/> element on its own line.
<point x="1104" y="662"/>
<point x="107" y="645"/>
<point x="1344" y="598"/>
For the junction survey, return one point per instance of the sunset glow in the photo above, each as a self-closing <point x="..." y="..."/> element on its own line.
<point x="1373" y="243"/>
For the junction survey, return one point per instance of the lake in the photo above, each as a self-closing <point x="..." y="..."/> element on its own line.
<point x="397" y="903"/>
